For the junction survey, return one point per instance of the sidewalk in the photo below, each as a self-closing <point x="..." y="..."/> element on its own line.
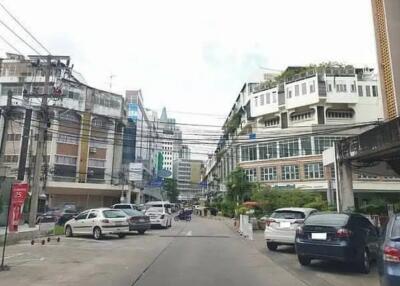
<point x="24" y="233"/>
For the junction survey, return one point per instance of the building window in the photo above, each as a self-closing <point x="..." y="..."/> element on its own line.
<point x="65" y="160"/>
<point x="353" y="87"/>
<point x="249" y="153"/>
<point x="301" y="116"/>
<point x="49" y="136"/>
<point x="289" y="93"/>
<point x="296" y="90"/>
<point x="340" y="114"/>
<point x="273" y="97"/>
<point x="11" y="158"/>
<point x="290" y="172"/>
<point x="13" y="137"/>
<point x="340" y="87"/>
<point x="329" y="87"/>
<point x="303" y="88"/>
<point x="268" y="151"/>
<point x="312" y="87"/>
<point x="368" y="90"/>
<point x="268" y="174"/>
<point x="360" y="90"/>
<point x="374" y="91"/>
<point x="262" y="99"/>
<point x="289" y="148"/>
<point x="323" y="143"/>
<point x="272" y="122"/>
<point x="251" y="174"/>
<point x="305" y="146"/>
<point x="268" y="98"/>
<point x="97" y="163"/>
<point x="314" y="171"/>
<point x="98" y="123"/>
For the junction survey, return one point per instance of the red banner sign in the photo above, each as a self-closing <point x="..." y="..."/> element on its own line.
<point x="19" y="192"/>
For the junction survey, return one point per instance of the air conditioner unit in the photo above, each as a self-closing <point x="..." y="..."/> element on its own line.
<point x="92" y="150"/>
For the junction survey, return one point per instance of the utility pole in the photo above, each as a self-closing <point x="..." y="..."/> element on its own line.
<point x="40" y="150"/>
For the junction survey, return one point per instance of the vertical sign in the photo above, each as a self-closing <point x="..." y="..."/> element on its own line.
<point x="135" y="172"/>
<point x="19" y="192"/>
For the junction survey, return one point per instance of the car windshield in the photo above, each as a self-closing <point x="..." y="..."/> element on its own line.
<point x="114" y="214"/>
<point x="286" y="214"/>
<point x="132" y="212"/>
<point x="327" y="219"/>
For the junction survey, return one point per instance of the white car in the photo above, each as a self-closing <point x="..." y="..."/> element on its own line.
<point x="98" y="222"/>
<point x="159" y="216"/>
<point x="280" y="227"/>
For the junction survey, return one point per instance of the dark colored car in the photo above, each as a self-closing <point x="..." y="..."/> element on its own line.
<point x="389" y="253"/>
<point x="345" y="237"/>
<point x="138" y="221"/>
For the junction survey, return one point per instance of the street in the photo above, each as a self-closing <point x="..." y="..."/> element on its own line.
<point x="200" y="252"/>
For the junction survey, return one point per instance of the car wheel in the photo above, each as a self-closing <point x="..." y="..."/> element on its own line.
<point x="97" y="233"/>
<point x="272" y="246"/>
<point x="121" y="235"/>
<point x="68" y="231"/>
<point x="364" y="262"/>
<point x="304" y="260"/>
<point x="141" y="231"/>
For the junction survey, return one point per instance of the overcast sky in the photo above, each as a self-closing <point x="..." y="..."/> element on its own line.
<point x="193" y="56"/>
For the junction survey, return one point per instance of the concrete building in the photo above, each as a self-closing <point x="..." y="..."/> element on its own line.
<point x="386" y="15"/>
<point x="278" y="129"/>
<point x="187" y="174"/>
<point x="170" y="138"/>
<point x="184" y="152"/>
<point x="84" y="150"/>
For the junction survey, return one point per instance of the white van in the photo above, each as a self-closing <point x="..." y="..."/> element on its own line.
<point x="159" y="213"/>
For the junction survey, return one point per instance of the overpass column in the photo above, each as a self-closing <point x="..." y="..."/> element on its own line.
<point x="346" y="185"/>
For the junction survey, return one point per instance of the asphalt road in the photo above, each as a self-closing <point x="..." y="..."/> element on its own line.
<point x="200" y="252"/>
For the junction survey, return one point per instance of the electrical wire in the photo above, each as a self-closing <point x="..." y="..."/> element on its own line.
<point x="19" y="37"/>
<point x="9" y="44"/>
<point x="25" y="29"/>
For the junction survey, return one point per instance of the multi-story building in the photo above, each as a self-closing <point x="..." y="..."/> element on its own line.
<point x="278" y="131"/>
<point x="170" y="138"/>
<point x="184" y="152"/>
<point x="187" y="174"/>
<point x="84" y="151"/>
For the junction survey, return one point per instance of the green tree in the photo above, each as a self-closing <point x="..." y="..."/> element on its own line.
<point x="171" y="189"/>
<point x="239" y="188"/>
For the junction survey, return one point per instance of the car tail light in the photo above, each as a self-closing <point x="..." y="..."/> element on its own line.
<point x="300" y="230"/>
<point x="343" y="233"/>
<point x="105" y="221"/>
<point x="162" y="216"/>
<point x="391" y="254"/>
<point x="269" y="221"/>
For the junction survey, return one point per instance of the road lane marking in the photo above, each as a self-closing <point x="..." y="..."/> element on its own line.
<point x="189" y="233"/>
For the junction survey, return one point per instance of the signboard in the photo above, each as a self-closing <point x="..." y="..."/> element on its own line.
<point x="132" y="112"/>
<point x="135" y="172"/>
<point x="157" y="182"/>
<point x="19" y="192"/>
<point x="252" y="136"/>
<point x="164" y="173"/>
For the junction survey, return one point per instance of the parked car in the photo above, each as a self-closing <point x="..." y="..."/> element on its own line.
<point x="98" y="222"/>
<point x="159" y="216"/>
<point x="345" y="237"/>
<point x="389" y="253"/>
<point x="280" y="227"/>
<point x="138" y="221"/>
<point x="126" y="206"/>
